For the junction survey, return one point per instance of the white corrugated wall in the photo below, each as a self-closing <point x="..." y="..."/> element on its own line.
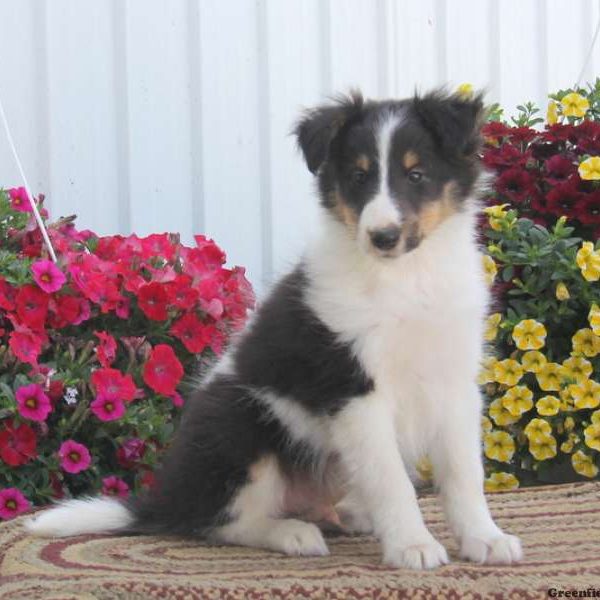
<point x="174" y="115"/>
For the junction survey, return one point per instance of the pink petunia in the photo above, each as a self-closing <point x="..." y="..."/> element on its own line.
<point x="32" y="402"/>
<point x="106" y="350"/>
<point x="74" y="457"/>
<point x="108" y="407"/>
<point x="177" y="400"/>
<point x="114" y="486"/>
<point x="19" y="200"/>
<point x="12" y="503"/>
<point x="47" y="275"/>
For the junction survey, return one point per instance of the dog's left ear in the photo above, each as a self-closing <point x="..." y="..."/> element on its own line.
<point x="454" y="120"/>
<point x="317" y="129"/>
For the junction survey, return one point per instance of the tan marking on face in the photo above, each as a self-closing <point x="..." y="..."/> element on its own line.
<point x="344" y="213"/>
<point x="362" y="162"/>
<point x="410" y="160"/>
<point x="437" y="211"/>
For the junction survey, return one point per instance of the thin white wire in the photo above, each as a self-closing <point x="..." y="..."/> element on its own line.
<point x="589" y="54"/>
<point x="36" y="213"/>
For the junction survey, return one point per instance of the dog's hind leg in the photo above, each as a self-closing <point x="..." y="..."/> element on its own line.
<point x="256" y="517"/>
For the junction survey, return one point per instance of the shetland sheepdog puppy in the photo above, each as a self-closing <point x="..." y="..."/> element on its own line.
<point x="362" y="360"/>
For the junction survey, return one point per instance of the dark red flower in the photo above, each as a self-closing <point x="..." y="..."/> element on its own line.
<point x="505" y="156"/>
<point x="113" y="383"/>
<point x="587" y="209"/>
<point x="559" y="168"/>
<point x="586" y="137"/>
<point x="17" y="444"/>
<point x="114" y="486"/>
<point x="152" y="300"/>
<point x="32" y="306"/>
<point x="106" y="351"/>
<point x="56" y="390"/>
<point x="561" y="199"/>
<point x="7" y="295"/>
<point x="522" y="134"/>
<point x="516" y="184"/>
<point x="163" y="371"/>
<point x="495" y="130"/>
<point x="192" y="332"/>
<point x="131" y="453"/>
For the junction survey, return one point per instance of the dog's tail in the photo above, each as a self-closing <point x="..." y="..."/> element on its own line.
<point x="88" y="515"/>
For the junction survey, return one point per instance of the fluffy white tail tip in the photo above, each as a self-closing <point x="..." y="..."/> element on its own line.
<point x="74" y="517"/>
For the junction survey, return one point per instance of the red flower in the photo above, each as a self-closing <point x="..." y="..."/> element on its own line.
<point x="131" y="453"/>
<point x="17" y="444"/>
<point x="158" y="245"/>
<point x="192" y="332"/>
<point x="25" y="344"/>
<point x="516" y="184"/>
<point x="522" y="134"/>
<point x="587" y="210"/>
<point x="147" y="480"/>
<point x="7" y="295"/>
<point x="107" y="349"/>
<point x="505" y="156"/>
<point x="12" y="503"/>
<point x="19" y="200"/>
<point x="47" y="275"/>
<point x="108" y="408"/>
<point x="152" y="300"/>
<point x="32" y="403"/>
<point x="559" y="168"/>
<point x="561" y="200"/>
<point x="56" y="390"/>
<point x="114" y="486"/>
<point x="181" y="293"/>
<point x="74" y="457"/>
<point x="163" y="371"/>
<point x="32" y="306"/>
<point x="495" y="130"/>
<point x="113" y="383"/>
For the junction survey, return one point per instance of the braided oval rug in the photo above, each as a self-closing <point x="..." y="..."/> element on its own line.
<point x="559" y="527"/>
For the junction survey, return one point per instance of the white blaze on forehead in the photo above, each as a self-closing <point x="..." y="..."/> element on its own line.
<point x="382" y="211"/>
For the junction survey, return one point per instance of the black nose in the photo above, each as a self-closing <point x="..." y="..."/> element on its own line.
<point x="385" y="239"/>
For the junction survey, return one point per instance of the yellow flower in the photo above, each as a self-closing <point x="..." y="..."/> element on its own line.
<point x="499" y="446"/>
<point x="518" y="400"/>
<point x="552" y="113"/>
<point x="588" y="261"/>
<point x="548" y="406"/>
<point x="574" y="105"/>
<point x="585" y="394"/>
<point x="533" y="361"/>
<point x="583" y="464"/>
<point x="499" y="482"/>
<point x="590" y="168"/>
<point x="592" y="436"/>
<point x="491" y="326"/>
<point x="501" y="415"/>
<point x="567" y="446"/>
<point x="596" y="416"/>
<point x="465" y="90"/>
<point x="486" y="424"/>
<point x="544" y="448"/>
<point x="537" y="430"/>
<point x="577" y="368"/>
<point x="529" y="334"/>
<point x="549" y="377"/>
<point x="569" y="424"/>
<point x="486" y="374"/>
<point x="562" y="292"/>
<point x="489" y="269"/>
<point x="594" y="318"/>
<point x="508" y="371"/>
<point x="567" y="400"/>
<point x="498" y="211"/>
<point x="586" y="343"/>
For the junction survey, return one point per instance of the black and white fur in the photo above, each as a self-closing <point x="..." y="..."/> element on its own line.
<point x="362" y="360"/>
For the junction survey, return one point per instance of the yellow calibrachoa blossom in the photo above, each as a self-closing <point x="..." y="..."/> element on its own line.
<point x="465" y="90"/>
<point x="499" y="482"/>
<point x="562" y="292"/>
<point x="577" y="368"/>
<point x="589" y="169"/>
<point x="592" y="436"/>
<point x="567" y="446"/>
<point x="490" y="270"/>
<point x="552" y="113"/>
<point x="583" y="464"/>
<point x="588" y="261"/>
<point x="486" y="373"/>
<point x="499" y="445"/>
<point x="549" y="377"/>
<point x="508" y="371"/>
<point x="569" y="424"/>
<point x="544" y="448"/>
<point x="537" y="430"/>
<point x="491" y="327"/>
<point x="529" y="334"/>
<point x="567" y="400"/>
<point x="585" y="394"/>
<point x="496" y="214"/>
<point x="500" y="414"/>
<point x="596" y="416"/>
<point x="486" y="424"/>
<point x="533" y="361"/>
<point x="518" y="400"/>
<point x="548" y="406"/>
<point x="585" y="342"/>
<point x="574" y="105"/>
<point x="594" y="319"/>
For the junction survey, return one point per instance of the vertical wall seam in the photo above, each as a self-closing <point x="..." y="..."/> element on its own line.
<point x="495" y="85"/>
<point x="197" y="195"/>
<point x="264" y="140"/>
<point x="383" y="48"/>
<point x="325" y="46"/>
<point x="441" y="47"/>
<point x="122" y="133"/>
<point x="542" y="49"/>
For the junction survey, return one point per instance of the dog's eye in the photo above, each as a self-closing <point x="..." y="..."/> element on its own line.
<point x="359" y="176"/>
<point x="415" y="176"/>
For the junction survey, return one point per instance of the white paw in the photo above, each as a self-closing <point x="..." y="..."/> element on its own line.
<point x="425" y="555"/>
<point x="353" y="518"/>
<point x="298" y="538"/>
<point x="497" y="549"/>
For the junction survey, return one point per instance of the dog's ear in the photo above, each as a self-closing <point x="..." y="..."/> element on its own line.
<point x="453" y="120"/>
<point x="318" y="127"/>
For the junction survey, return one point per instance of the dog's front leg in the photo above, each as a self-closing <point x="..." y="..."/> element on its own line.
<point x="458" y="471"/>
<point x="363" y="435"/>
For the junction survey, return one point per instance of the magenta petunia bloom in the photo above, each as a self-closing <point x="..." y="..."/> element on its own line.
<point x="19" y="200"/>
<point x="47" y="275"/>
<point x="32" y="402"/>
<point x="74" y="457"/>
<point x="12" y="503"/>
<point x="108" y="407"/>
<point x="114" y="486"/>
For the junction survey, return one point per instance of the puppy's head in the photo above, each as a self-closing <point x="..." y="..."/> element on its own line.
<point x="392" y="171"/>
